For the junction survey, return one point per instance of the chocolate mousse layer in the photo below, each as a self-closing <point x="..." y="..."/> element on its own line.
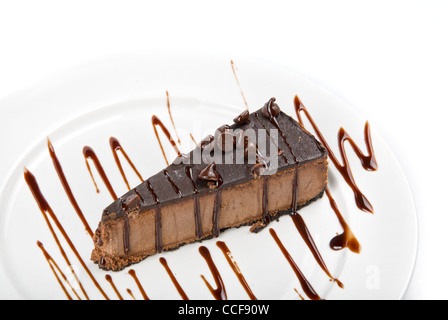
<point x="237" y="180"/>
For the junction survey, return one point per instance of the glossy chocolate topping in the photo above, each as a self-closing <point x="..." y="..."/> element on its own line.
<point x="180" y="180"/>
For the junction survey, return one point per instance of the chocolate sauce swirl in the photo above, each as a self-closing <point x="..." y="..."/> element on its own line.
<point x="307" y="237"/>
<point x="138" y="283"/>
<point x="168" y="105"/>
<point x="173" y="279"/>
<point x="220" y="292"/>
<point x="90" y="154"/>
<point x="232" y="263"/>
<point x="115" y="147"/>
<point x="66" y="186"/>
<point x="53" y="265"/>
<point x="368" y="161"/>
<point x="306" y="286"/>
<point x="346" y="239"/>
<point x="112" y="284"/>
<point x="156" y="122"/>
<point x="46" y="211"/>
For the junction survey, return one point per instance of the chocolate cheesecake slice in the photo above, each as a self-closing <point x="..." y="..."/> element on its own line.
<point x="261" y="167"/>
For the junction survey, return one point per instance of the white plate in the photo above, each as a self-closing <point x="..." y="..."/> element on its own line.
<point x="117" y="97"/>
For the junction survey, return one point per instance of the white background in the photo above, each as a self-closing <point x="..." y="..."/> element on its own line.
<point x="387" y="59"/>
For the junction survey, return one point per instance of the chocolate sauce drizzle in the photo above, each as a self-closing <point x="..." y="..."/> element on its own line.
<point x="234" y="68"/>
<point x="139" y="285"/>
<point x="197" y="209"/>
<point x="232" y="263"/>
<point x="66" y="186"/>
<point x="126" y="233"/>
<point x="295" y="187"/>
<point x="111" y="282"/>
<point x="368" y="161"/>
<point x="220" y="292"/>
<point x="175" y="187"/>
<point x="265" y="203"/>
<point x="300" y="296"/>
<point x="272" y="139"/>
<point x="307" y="237"/>
<point x="156" y="122"/>
<point x="115" y="147"/>
<point x="158" y="218"/>
<point x="346" y="239"/>
<point x="168" y="105"/>
<point x="216" y="212"/>
<point x="130" y="293"/>
<point x="173" y="279"/>
<point x="272" y="117"/>
<point x="306" y="286"/>
<point x="193" y="139"/>
<point x="90" y="154"/>
<point x="47" y="211"/>
<point x="52" y="263"/>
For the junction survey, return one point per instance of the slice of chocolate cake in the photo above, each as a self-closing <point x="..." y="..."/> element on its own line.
<point x="261" y="167"/>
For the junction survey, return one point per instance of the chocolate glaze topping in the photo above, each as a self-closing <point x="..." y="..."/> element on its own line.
<point x="176" y="182"/>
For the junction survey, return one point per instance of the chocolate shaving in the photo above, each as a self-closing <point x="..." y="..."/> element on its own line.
<point x="209" y="173"/>
<point x="132" y="202"/>
<point x="207" y="143"/>
<point x="221" y="129"/>
<point x="243" y="118"/>
<point x="270" y="109"/>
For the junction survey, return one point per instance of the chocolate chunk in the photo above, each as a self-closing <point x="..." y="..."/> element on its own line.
<point x="209" y="173"/>
<point x="225" y="141"/>
<point x="243" y="118"/>
<point x="132" y="202"/>
<point x="221" y="129"/>
<point x="207" y="143"/>
<point x="270" y="109"/>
